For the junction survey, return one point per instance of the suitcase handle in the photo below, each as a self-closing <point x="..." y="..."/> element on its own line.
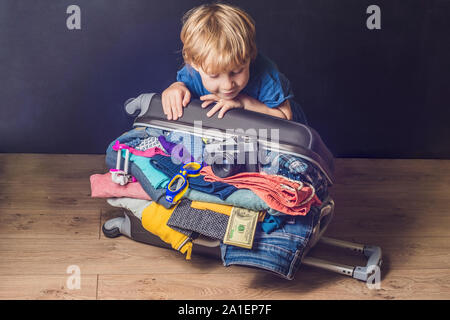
<point x="373" y="254"/>
<point x="139" y="104"/>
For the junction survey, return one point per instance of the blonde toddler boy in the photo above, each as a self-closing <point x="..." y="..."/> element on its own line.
<point x="223" y="66"/>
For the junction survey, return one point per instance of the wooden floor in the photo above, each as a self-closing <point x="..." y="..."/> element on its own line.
<point x="48" y="222"/>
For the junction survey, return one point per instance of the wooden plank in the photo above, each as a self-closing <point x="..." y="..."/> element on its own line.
<point x="46" y="287"/>
<point x="125" y="256"/>
<point x="412" y="185"/>
<point x="349" y="172"/>
<point x="398" y="253"/>
<point x="400" y="205"/>
<point x="62" y="165"/>
<point x="359" y="221"/>
<point x="409" y="171"/>
<point x="411" y="284"/>
<point x="120" y="255"/>
<point x="49" y="182"/>
<point x="51" y="201"/>
<point x="49" y="195"/>
<point x="362" y="222"/>
<point x="53" y="224"/>
<point x="413" y="170"/>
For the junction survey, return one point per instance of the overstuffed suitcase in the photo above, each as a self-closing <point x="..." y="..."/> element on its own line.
<point x="270" y="135"/>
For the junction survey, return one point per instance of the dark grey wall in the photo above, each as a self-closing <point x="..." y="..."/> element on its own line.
<point x="369" y="93"/>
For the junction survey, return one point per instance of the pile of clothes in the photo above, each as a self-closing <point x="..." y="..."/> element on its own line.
<point x="285" y="198"/>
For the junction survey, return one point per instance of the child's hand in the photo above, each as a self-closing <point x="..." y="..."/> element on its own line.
<point x="222" y="104"/>
<point x="174" y="98"/>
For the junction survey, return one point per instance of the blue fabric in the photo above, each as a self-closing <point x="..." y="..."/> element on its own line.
<point x="266" y="84"/>
<point x="180" y="152"/>
<point x="280" y="251"/>
<point x="222" y="190"/>
<point x="131" y="136"/>
<point x="297" y="169"/>
<point x="242" y="198"/>
<point x="272" y="223"/>
<point x="157" y="195"/>
<point x="193" y="144"/>
<point x="179" y="155"/>
<point x="154" y="132"/>
<point x="154" y="176"/>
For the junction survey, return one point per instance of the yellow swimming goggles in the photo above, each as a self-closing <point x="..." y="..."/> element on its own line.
<point x="179" y="183"/>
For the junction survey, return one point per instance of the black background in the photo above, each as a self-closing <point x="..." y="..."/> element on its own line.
<point x="369" y="93"/>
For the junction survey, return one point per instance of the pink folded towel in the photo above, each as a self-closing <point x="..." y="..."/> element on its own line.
<point x="103" y="187"/>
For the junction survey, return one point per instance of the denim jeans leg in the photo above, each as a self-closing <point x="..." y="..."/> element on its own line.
<point x="280" y="251"/>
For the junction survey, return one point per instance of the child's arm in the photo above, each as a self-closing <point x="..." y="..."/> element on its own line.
<point x="244" y="101"/>
<point x="282" y="111"/>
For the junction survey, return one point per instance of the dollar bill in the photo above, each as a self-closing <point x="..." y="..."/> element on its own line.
<point x="241" y="227"/>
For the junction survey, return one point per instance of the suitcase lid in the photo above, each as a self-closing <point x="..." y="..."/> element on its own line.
<point x="278" y="134"/>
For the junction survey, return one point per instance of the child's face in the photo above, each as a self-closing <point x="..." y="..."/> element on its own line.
<point x="226" y="85"/>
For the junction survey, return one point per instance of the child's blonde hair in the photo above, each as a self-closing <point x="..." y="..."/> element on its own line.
<point x="218" y="37"/>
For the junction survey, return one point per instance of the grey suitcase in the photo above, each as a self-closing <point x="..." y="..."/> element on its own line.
<point x="286" y="137"/>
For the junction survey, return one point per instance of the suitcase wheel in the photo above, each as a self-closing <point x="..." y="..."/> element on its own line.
<point x="111" y="233"/>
